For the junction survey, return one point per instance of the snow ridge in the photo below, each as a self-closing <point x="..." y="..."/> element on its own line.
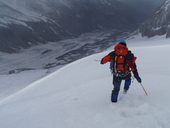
<point x="78" y="95"/>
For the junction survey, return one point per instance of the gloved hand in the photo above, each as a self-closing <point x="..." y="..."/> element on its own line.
<point x="138" y="79"/>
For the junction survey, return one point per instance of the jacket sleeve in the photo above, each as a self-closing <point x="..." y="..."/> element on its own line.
<point x="134" y="67"/>
<point x="106" y="59"/>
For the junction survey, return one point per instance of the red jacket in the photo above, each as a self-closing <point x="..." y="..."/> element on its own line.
<point x="130" y="60"/>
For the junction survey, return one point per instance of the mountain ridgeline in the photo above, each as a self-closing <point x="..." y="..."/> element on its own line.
<point x="24" y="23"/>
<point x="159" y="24"/>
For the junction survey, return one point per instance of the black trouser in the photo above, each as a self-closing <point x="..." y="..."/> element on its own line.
<point x="117" y="82"/>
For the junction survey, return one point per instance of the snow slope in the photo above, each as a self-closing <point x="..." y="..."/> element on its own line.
<point x="12" y="83"/>
<point x="78" y="96"/>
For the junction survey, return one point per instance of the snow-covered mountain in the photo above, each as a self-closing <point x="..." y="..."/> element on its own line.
<point x="159" y="24"/>
<point x="24" y="23"/>
<point x="78" y="96"/>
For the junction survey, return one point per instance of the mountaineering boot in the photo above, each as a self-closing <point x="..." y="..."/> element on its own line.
<point x="114" y="97"/>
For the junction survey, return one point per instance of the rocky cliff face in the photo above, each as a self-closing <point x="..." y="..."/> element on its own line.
<point x="159" y="24"/>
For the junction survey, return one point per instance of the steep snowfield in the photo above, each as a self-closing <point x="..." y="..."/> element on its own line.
<point x="78" y="96"/>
